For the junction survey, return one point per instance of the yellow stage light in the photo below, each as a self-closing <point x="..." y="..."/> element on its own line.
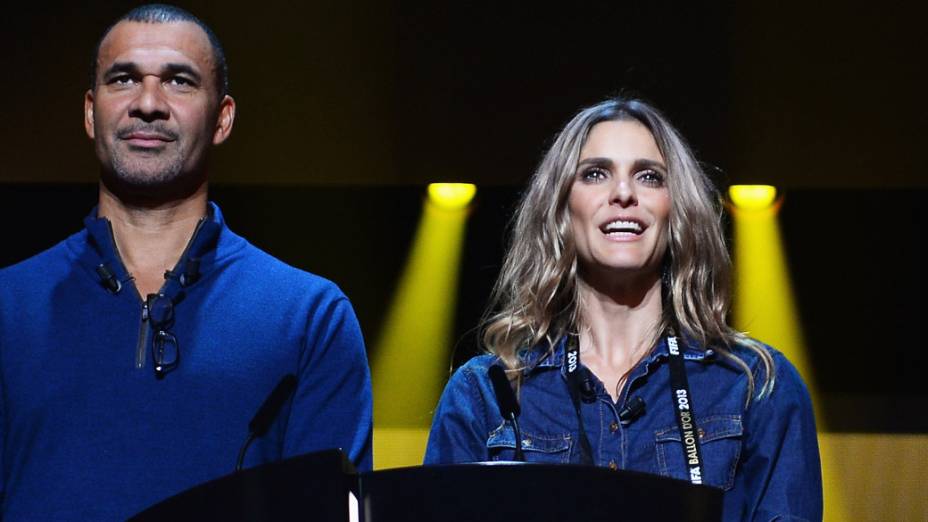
<point x="452" y="196"/>
<point x="765" y="307"/>
<point x="409" y="365"/>
<point x="752" y="197"/>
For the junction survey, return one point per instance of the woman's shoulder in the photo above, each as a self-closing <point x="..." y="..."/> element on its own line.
<point x="771" y="367"/>
<point x="479" y="363"/>
<point x="753" y="351"/>
<point x="474" y="371"/>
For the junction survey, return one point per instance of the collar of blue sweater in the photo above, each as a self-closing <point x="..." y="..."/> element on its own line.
<point x="197" y="260"/>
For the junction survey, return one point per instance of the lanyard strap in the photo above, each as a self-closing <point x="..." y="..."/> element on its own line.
<point x="574" y="385"/>
<point x="682" y="400"/>
<point x="683" y="406"/>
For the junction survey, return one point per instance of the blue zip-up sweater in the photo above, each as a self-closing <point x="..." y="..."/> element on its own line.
<point x="765" y="457"/>
<point x="87" y="431"/>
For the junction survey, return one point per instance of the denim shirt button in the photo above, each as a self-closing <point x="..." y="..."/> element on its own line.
<point x="614" y="427"/>
<point x="527" y="442"/>
<point x="613" y="466"/>
<point x="702" y="433"/>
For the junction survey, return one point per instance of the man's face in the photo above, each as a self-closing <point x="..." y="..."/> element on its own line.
<point x="155" y="111"/>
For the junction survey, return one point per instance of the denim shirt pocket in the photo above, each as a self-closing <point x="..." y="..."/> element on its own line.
<point x="543" y="448"/>
<point x="720" y="441"/>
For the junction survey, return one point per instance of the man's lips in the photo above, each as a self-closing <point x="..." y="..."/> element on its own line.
<point x="146" y="138"/>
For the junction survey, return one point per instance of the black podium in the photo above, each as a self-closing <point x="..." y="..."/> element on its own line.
<point x="509" y="492"/>
<point x="309" y="487"/>
<point x="315" y="487"/>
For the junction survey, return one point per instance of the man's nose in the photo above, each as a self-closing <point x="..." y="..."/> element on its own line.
<point x="150" y="104"/>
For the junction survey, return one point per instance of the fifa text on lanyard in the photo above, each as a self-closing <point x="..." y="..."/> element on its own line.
<point x="683" y="405"/>
<point x="682" y="401"/>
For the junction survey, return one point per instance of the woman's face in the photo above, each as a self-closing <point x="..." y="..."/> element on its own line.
<point x="619" y="204"/>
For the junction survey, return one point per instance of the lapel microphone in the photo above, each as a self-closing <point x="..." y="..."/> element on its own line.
<point x="267" y="413"/>
<point x="633" y="409"/>
<point x="508" y="405"/>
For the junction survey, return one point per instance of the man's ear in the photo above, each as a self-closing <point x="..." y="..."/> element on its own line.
<point x="225" y="120"/>
<point x="88" y="113"/>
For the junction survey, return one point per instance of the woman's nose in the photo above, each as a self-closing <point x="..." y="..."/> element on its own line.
<point x="623" y="192"/>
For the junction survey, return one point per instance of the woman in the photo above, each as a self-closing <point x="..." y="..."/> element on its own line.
<point x="618" y="259"/>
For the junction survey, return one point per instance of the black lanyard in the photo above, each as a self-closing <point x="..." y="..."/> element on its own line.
<point x="683" y="406"/>
<point x="574" y="385"/>
<point x="682" y="400"/>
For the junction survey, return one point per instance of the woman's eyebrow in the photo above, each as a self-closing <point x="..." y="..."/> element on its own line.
<point x="649" y="163"/>
<point x="595" y="162"/>
<point x="606" y="162"/>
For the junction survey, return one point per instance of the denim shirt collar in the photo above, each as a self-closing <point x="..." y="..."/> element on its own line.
<point x="541" y="357"/>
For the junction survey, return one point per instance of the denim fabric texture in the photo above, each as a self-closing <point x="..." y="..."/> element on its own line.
<point x="765" y="457"/>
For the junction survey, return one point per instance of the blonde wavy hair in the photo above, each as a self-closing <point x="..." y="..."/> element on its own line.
<point x="536" y="297"/>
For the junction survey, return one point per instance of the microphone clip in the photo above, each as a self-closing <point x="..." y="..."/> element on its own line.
<point x="189" y="275"/>
<point x="108" y="279"/>
<point x="633" y="409"/>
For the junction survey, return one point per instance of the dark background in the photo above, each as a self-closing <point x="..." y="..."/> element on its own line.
<point x="347" y="110"/>
<point x="800" y="94"/>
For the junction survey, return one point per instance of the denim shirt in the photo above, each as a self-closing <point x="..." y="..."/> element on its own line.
<point x="765" y="457"/>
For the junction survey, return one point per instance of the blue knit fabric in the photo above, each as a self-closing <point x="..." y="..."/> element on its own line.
<point x="87" y="434"/>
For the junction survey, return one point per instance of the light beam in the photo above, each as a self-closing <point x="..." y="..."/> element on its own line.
<point x="410" y="363"/>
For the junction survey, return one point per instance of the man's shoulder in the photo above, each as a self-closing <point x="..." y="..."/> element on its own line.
<point x="278" y="276"/>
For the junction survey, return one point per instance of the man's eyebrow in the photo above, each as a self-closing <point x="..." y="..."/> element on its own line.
<point x="167" y="69"/>
<point x="180" y="68"/>
<point x="121" y="67"/>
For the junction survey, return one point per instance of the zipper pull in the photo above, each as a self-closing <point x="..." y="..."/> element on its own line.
<point x="143" y="337"/>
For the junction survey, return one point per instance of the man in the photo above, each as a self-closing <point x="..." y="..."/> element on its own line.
<point x="134" y="353"/>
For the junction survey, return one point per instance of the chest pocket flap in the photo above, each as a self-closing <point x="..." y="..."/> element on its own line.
<point x="554" y="449"/>
<point x="720" y="441"/>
